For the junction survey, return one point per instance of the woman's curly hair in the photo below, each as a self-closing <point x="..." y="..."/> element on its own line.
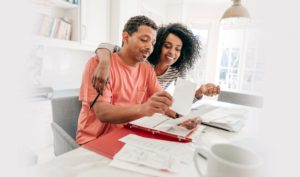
<point x="190" y="50"/>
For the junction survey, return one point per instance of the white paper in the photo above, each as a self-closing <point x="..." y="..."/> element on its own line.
<point x="151" y="121"/>
<point x="141" y="169"/>
<point x="224" y="115"/>
<point x="171" y="87"/>
<point x="185" y="169"/>
<point x="231" y="118"/>
<point x="151" y="159"/>
<point x="183" y="96"/>
<point x="181" y="151"/>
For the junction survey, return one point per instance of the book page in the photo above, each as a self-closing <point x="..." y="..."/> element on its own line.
<point x="171" y="126"/>
<point x="150" y="121"/>
<point x="183" y="96"/>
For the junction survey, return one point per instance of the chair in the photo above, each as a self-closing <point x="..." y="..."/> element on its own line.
<point x="241" y="99"/>
<point x="65" y="111"/>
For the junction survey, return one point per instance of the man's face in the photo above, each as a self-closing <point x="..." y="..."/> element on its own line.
<point x="141" y="43"/>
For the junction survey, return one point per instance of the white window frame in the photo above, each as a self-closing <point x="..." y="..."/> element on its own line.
<point x="247" y="43"/>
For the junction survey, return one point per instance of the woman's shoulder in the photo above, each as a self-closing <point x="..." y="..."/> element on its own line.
<point x="172" y="69"/>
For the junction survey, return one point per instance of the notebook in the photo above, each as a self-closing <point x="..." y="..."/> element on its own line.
<point x="108" y="145"/>
<point x="163" y="125"/>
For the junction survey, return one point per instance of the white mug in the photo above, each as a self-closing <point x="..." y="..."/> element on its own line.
<point x="228" y="160"/>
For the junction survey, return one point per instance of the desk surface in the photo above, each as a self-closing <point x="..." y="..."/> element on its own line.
<point x="84" y="163"/>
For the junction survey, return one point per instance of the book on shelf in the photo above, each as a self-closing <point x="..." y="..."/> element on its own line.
<point x="46" y="26"/>
<point x="162" y="125"/>
<point x="52" y="27"/>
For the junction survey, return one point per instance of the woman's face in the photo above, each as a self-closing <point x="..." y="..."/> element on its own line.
<point x="171" y="49"/>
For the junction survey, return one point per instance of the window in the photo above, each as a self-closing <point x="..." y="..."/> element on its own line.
<point x="240" y="65"/>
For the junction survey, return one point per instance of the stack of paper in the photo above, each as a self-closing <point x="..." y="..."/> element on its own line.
<point x="228" y="118"/>
<point x="154" y="156"/>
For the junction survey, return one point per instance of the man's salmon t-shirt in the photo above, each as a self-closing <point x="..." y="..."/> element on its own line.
<point x="127" y="85"/>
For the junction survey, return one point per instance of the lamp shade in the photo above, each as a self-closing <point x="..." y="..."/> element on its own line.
<point x="236" y="10"/>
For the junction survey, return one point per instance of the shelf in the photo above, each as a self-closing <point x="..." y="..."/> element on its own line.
<point x="56" y="3"/>
<point x="58" y="43"/>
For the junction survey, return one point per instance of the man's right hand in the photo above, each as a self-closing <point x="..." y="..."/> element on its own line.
<point x="157" y="103"/>
<point x="101" y="73"/>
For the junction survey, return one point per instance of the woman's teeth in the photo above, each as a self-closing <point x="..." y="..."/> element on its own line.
<point x="170" y="58"/>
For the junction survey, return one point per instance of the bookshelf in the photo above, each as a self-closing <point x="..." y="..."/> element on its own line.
<point x="67" y="44"/>
<point x="58" y="23"/>
<point x="57" y="3"/>
<point x="80" y="26"/>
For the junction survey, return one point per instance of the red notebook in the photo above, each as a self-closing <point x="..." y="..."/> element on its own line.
<point x="109" y="144"/>
<point x="163" y="126"/>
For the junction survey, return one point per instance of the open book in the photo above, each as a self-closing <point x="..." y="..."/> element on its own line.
<point x="228" y="118"/>
<point x="163" y="126"/>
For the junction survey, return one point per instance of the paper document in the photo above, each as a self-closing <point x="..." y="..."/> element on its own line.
<point x="181" y="151"/>
<point x="229" y="118"/>
<point x="153" y="159"/>
<point x="171" y="87"/>
<point x="142" y="169"/>
<point x="163" y="125"/>
<point x="183" y="96"/>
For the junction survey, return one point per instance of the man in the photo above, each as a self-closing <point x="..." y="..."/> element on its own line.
<point x="132" y="90"/>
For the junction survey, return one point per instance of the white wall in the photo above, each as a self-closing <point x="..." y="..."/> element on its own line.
<point x="122" y="10"/>
<point x="60" y="68"/>
<point x="67" y="65"/>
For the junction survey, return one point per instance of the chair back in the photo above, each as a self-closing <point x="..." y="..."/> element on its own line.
<point x="65" y="111"/>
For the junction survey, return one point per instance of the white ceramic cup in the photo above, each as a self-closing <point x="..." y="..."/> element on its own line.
<point x="228" y="160"/>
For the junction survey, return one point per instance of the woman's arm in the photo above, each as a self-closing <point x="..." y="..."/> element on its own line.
<point x="101" y="73"/>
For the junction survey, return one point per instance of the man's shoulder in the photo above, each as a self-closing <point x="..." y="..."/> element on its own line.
<point x="146" y="64"/>
<point x="93" y="61"/>
<point x="114" y="57"/>
<point x="146" y="67"/>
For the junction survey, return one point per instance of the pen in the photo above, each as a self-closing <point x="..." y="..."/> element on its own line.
<point x="213" y="126"/>
<point x="94" y="101"/>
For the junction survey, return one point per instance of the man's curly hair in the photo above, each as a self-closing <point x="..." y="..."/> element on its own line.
<point x="135" y="22"/>
<point x="190" y="50"/>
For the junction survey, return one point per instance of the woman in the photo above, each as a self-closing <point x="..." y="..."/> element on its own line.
<point x="175" y="52"/>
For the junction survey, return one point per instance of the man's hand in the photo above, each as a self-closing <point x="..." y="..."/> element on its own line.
<point x="101" y="73"/>
<point x="208" y="89"/>
<point x="190" y="123"/>
<point x="157" y="103"/>
<point x="171" y="113"/>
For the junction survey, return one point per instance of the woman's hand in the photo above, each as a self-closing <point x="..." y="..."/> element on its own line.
<point x="208" y="89"/>
<point x="101" y="73"/>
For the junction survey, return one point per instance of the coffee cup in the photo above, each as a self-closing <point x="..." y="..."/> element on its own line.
<point x="228" y="160"/>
